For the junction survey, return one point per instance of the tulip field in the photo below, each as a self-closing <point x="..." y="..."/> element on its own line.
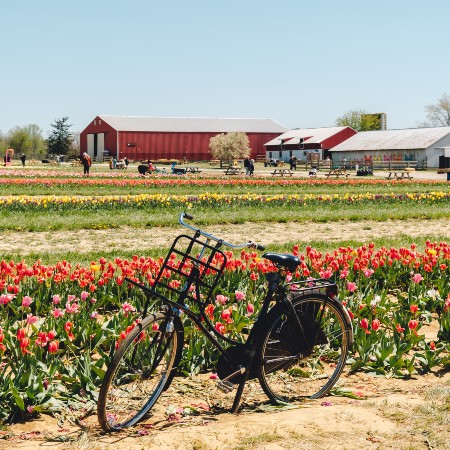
<point x="61" y="319"/>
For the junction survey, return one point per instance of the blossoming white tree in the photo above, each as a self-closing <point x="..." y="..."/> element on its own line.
<point x="230" y="146"/>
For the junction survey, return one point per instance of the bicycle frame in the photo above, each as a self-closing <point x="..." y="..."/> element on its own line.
<point x="211" y="260"/>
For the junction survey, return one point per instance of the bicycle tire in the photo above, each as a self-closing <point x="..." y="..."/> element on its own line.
<point x="293" y="368"/>
<point x="141" y="369"/>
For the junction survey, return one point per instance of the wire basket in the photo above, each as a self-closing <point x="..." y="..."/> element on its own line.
<point x="184" y="277"/>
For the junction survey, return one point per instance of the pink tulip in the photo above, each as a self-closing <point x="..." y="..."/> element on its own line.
<point x="221" y="299"/>
<point x="57" y="313"/>
<point x="56" y="299"/>
<point x="27" y="301"/>
<point x="351" y="287"/>
<point x="127" y="308"/>
<point x="31" y="319"/>
<point x="239" y="296"/>
<point x="417" y="278"/>
<point x="84" y="295"/>
<point x="250" y="309"/>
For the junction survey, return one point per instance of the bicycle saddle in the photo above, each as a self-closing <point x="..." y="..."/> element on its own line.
<point x="283" y="260"/>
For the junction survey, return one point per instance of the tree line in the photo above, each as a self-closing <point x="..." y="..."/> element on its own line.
<point x="29" y="140"/>
<point x="437" y="115"/>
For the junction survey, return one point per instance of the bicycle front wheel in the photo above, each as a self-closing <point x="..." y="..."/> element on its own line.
<point x="294" y="366"/>
<point x="140" y="370"/>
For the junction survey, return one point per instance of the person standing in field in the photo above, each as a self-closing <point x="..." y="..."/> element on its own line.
<point x="251" y="167"/>
<point x="23" y="159"/>
<point x="86" y="161"/>
<point x="247" y="165"/>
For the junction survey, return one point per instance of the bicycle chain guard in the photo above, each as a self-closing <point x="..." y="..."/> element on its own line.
<point x="240" y="356"/>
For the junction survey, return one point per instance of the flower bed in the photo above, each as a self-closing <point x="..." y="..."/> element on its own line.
<point x="50" y="202"/>
<point x="61" y="323"/>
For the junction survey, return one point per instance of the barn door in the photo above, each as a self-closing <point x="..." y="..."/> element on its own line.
<point x="90" y="144"/>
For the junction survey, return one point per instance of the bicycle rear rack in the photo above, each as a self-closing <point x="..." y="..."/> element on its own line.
<point x="313" y="286"/>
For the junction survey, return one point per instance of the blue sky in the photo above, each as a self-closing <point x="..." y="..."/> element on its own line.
<point x="302" y="63"/>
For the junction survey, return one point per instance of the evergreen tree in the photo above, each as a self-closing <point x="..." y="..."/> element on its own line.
<point x="59" y="141"/>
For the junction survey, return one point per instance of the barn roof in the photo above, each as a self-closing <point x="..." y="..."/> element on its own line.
<point x="309" y="135"/>
<point x="410" y="139"/>
<point x="192" y="124"/>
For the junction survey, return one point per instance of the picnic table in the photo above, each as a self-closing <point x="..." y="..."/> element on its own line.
<point x="282" y="172"/>
<point x="192" y="170"/>
<point x="400" y="174"/>
<point x="337" y="172"/>
<point x="233" y="170"/>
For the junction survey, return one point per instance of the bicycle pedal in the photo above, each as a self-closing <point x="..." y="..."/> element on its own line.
<point x="225" y="386"/>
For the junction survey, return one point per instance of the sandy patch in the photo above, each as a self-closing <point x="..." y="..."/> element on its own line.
<point x="329" y="423"/>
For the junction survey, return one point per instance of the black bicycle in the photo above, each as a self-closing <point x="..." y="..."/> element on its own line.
<point x="297" y="347"/>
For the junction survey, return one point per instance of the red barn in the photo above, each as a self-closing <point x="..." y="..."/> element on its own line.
<point x="142" y="138"/>
<point x="299" y="142"/>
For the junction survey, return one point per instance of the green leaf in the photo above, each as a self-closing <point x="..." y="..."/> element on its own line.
<point x="18" y="399"/>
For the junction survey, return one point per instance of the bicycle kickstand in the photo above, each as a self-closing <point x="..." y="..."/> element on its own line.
<point x="240" y="390"/>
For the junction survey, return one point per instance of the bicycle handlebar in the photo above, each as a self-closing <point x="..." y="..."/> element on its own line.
<point x="187" y="216"/>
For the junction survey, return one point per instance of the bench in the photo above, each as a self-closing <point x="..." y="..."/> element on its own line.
<point x="214" y="162"/>
<point x="282" y="172"/>
<point x="337" y="173"/>
<point x="233" y="170"/>
<point x="400" y="174"/>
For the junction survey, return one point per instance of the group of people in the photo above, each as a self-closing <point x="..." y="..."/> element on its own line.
<point x="121" y="164"/>
<point x="249" y="166"/>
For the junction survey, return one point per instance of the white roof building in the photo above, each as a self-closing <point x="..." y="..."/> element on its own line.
<point x="415" y="144"/>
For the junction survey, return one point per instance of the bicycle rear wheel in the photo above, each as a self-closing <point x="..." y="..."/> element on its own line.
<point x="293" y="367"/>
<point x="140" y="370"/>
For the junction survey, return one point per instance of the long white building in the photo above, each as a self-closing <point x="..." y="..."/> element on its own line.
<point x="416" y="144"/>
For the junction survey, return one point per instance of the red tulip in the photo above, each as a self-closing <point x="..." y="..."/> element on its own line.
<point x="53" y="346"/>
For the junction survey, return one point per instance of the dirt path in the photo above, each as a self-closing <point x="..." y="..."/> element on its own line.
<point x="139" y="240"/>
<point x="391" y="414"/>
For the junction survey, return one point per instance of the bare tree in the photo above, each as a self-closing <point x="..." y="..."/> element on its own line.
<point x="438" y="115"/>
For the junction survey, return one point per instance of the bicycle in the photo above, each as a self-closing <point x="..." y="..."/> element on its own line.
<point x="296" y="348"/>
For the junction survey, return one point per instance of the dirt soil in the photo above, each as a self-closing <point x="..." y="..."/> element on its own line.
<point x="389" y="414"/>
<point x="276" y="233"/>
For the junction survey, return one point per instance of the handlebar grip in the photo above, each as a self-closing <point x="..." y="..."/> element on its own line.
<point x="187" y="216"/>
<point x="260" y="247"/>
